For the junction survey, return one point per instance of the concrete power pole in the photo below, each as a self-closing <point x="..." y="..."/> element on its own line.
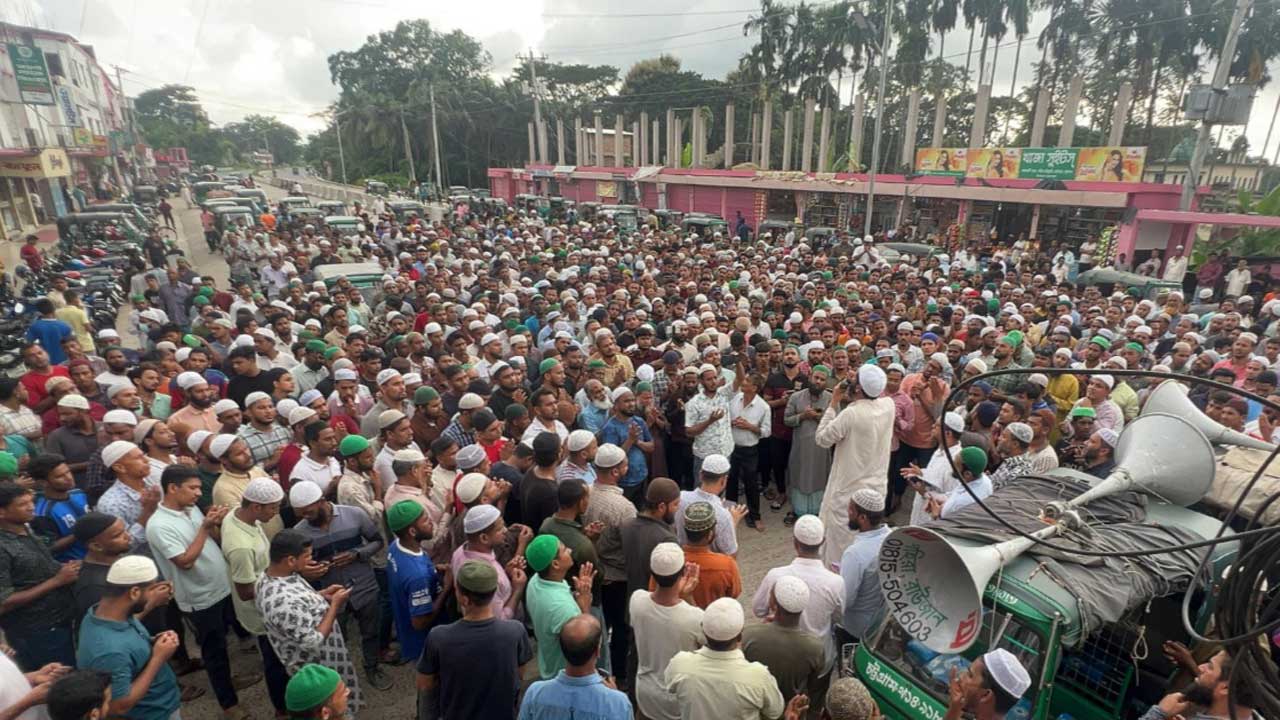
<point x="1220" y="75"/>
<point x="539" y="133"/>
<point x="408" y="149"/>
<point x="435" y="139"/>
<point x="875" y="143"/>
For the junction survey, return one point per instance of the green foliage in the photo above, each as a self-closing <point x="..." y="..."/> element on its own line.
<point x="258" y="132"/>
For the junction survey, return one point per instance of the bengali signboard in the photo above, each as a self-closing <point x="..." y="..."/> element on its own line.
<point x="1096" y="164"/>
<point x="29" y="69"/>
<point x="50" y="163"/>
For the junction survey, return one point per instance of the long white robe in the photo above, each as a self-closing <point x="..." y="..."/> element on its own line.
<point x="860" y="436"/>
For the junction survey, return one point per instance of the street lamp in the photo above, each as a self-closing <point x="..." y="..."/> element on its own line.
<point x="859" y="19"/>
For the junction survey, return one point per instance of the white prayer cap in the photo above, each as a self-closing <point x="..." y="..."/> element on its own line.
<point x="480" y="517"/>
<point x="1109" y="436"/>
<point x="715" y="464"/>
<point x="387" y="376"/>
<point x="471" y="485"/>
<point x="345" y="374"/>
<point x="619" y="392"/>
<point x="286" y="406"/>
<point x="132" y="570"/>
<point x="300" y="414"/>
<point x="791" y="593"/>
<point x="74" y="401"/>
<point x="1039" y="379"/>
<point x="954" y="421"/>
<point x="224" y="405"/>
<point x="220" y="444"/>
<point x="978" y="363"/>
<point x="1107" y="380"/>
<point x="255" y="397"/>
<point x="470" y="401"/>
<point x="387" y="418"/>
<point x="470" y="456"/>
<point x="188" y="380"/>
<point x="666" y="560"/>
<point x="112" y="453"/>
<point x="872" y="380"/>
<point x="263" y="490"/>
<point x="408" y="455"/>
<point x="489" y="338"/>
<point x="114" y="388"/>
<point x="579" y="439"/>
<point x="610" y="455"/>
<point x="809" y="530"/>
<point x="1007" y="671"/>
<point x="723" y="619"/>
<point x="182" y="354"/>
<point x="869" y="499"/>
<point x="1117" y="361"/>
<point x="1020" y="430"/>
<point x="432" y="328"/>
<point x="303" y="493"/>
<point x="195" y="440"/>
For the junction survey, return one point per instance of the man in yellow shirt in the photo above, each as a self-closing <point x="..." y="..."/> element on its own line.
<point x="73" y="314"/>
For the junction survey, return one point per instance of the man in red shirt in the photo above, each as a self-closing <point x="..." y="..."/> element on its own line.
<point x="31" y="254"/>
<point x="38" y="373"/>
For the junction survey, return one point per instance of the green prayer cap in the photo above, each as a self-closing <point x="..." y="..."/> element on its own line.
<point x="1015" y="336"/>
<point x="993" y="304"/>
<point x="595" y="363"/>
<point x="8" y="464"/>
<point x="352" y="445"/>
<point x="1134" y="346"/>
<point x="733" y="284"/>
<point x="424" y="395"/>
<point x="973" y="459"/>
<point x="1101" y="342"/>
<point x="826" y="275"/>
<point x="200" y="300"/>
<point x="515" y="410"/>
<point x="206" y="291"/>
<point x="820" y="369"/>
<point x="477" y="577"/>
<point x="643" y="386"/>
<point x="310" y="687"/>
<point x="191" y="341"/>
<point x="404" y="513"/>
<point x="1084" y="412"/>
<point x="511" y="324"/>
<point x="316" y="346"/>
<point x="779" y="334"/>
<point x="931" y="307"/>
<point x="139" y="297"/>
<point x="331" y="352"/>
<point x="546" y="365"/>
<point x="541" y="552"/>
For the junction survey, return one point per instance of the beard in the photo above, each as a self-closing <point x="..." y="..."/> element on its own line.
<point x="1197" y="694"/>
<point x="603" y="404"/>
<point x="201" y="403"/>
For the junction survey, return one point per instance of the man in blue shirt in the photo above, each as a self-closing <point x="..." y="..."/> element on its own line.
<point x="631" y="434"/>
<point x="58" y="506"/>
<point x="578" y="691"/>
<point x="143" y="687"/>
<point x="49" y="331"/>
<point x="412" y="582"/>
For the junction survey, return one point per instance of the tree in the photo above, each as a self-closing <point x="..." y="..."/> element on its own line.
<point x="171" y="103"/>
<point x="390" y="62"/>
<point x="568" y="87"/>
<point x="258" y="132"/>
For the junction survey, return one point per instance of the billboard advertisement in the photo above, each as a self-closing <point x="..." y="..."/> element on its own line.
<point x="29" y="69"/>
<point x="1095" y="164"/>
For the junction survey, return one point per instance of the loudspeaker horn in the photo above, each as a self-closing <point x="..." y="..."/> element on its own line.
<point x="1171" y="398"/>
<point x="934" y="588"/>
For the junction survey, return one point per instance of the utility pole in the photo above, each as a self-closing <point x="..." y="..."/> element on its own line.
<point x="875" y="141"/>
<point x="1220" y="76"/>
<point x="435" y="139"/>
<point x="539" y="142"/>
<point x="408" y="150"/>
<point x="342" y="159"/>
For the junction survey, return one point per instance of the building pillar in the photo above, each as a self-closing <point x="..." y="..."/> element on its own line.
<point x="642" y="138"/>
<point x="544" y="153"/>
<point x="1123" y="98"/>
<point x="766" y="133"/>
<point x="1041" y="117"/>
<point x="533" y="153"/>
<point x="939" y="120"/>
<point x="599" y="139"/>
<point x="1067" y="135"/>
<point x="695" y="138"/>
<point x="806" y="144"/>
<point x="578" y="154"/>
<point x="678" y="149"/>
<point x="673" y="155"/>
<point x="824" y="138"/>
<point x="908" y="159"/>
<point x="728" y="136"/>
<point x="619" y="159"/>
<point x="655" y="149"/>
<point x="978" y="131"/>
<point x="787" y="132"/>
<point x="855" y="132"/>
<point x="559" y="141"/>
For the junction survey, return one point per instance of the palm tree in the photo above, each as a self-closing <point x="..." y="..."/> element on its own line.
<point x="766" y="55"/>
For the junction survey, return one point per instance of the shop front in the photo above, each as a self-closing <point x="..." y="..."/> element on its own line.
<point x="31" y="189"/>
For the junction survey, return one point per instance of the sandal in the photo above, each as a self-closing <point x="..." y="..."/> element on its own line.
<point x="776" y="505"/>
<point x="191" y="692"/>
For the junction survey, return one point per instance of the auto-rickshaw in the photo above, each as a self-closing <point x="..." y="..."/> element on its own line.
<point x="375" y="187"/>
<point x="705" y="224"/>
<point x="138" y="215"/>
<point x="306" y="214"/>
<point x="256" y="193"/>
<point x="820" y="233"/>
<point x="588" y="211"/>
<point x="344" y="225"/>
<point x="1111" y="279"/>
<point x="668" y="218"/>
<point x="777" y="228"/>
<point x="146" y="194"/>
<point x="626" y="219"/>
<point x="202" y="189"/>
<point x="404" y="209"/>
<point x="227" y="216"/>
<point x="332" y="207"/>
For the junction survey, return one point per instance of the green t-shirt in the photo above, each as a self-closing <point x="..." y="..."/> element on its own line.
<point x="550" y="605"/>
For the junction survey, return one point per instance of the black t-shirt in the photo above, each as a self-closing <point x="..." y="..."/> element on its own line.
<point x="240" y="386"/>
<point x="478" y="667"/>
<point x="503" y="471"/>
<point x="537" y="499"/>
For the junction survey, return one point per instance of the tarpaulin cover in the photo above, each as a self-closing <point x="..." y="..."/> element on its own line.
<point x="1106" y="588"/>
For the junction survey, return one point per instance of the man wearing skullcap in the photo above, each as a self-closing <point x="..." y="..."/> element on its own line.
<point x="312" y="370"/>
<point x="860" y="434"/>
<point x="664" y="623"/>
<point x="1012" y="446"/>
<point x="807" y="465"/>
<point x="428" y="419"/>
<point x="993" y="683"/>
<point x="582" y="446"/>
<point x="1097" y="395"/>
<point x="317" y="692"/>
<point x="264" y="436"/>
<point x="303" y="624"/>
<point x="706" y="417"/>
<point x="77" y="438"/>
<point x="826" y="589"/>
<point x="863" y="602"/>
<point x="129" y="498"/>
<point x="485" y="535"/>
<point x="183" y="542"/>
<point x="246" y="541"/>
<point x="417" y="591"/>
<point x="626" y="429"/>
<point x="717" y="681"/>
<point x="471" y="668"/>
<point x="357" y="487"/>
<point x="238" y="472"/>
<point x="848" y="699"/>
<point x="973" y="465"/>
<point x="1098" y="458"/>
<point x="795" y="656"/>
<point x="718" y="574"/>
<point x="553" y="376"/>
<point x="113" y="641"/>
<point x="549" y="599"/>
<point x="391" y="395"/>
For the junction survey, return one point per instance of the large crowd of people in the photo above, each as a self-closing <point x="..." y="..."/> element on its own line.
<point x="530" y="450"/>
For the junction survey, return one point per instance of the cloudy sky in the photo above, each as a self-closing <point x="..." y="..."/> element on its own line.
<point x="251" y="56"/>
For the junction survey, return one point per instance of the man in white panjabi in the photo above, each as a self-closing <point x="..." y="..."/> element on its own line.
<point x="860" y="435"/>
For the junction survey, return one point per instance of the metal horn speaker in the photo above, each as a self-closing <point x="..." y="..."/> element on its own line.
<point x="934" y="588"/>
<point x="1171" y="398"/>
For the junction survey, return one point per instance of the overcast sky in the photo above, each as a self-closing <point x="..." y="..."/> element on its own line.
<point x="269" y="57"/>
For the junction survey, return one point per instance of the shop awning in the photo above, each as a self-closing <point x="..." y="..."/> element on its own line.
<point x="1179" y="217"/>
